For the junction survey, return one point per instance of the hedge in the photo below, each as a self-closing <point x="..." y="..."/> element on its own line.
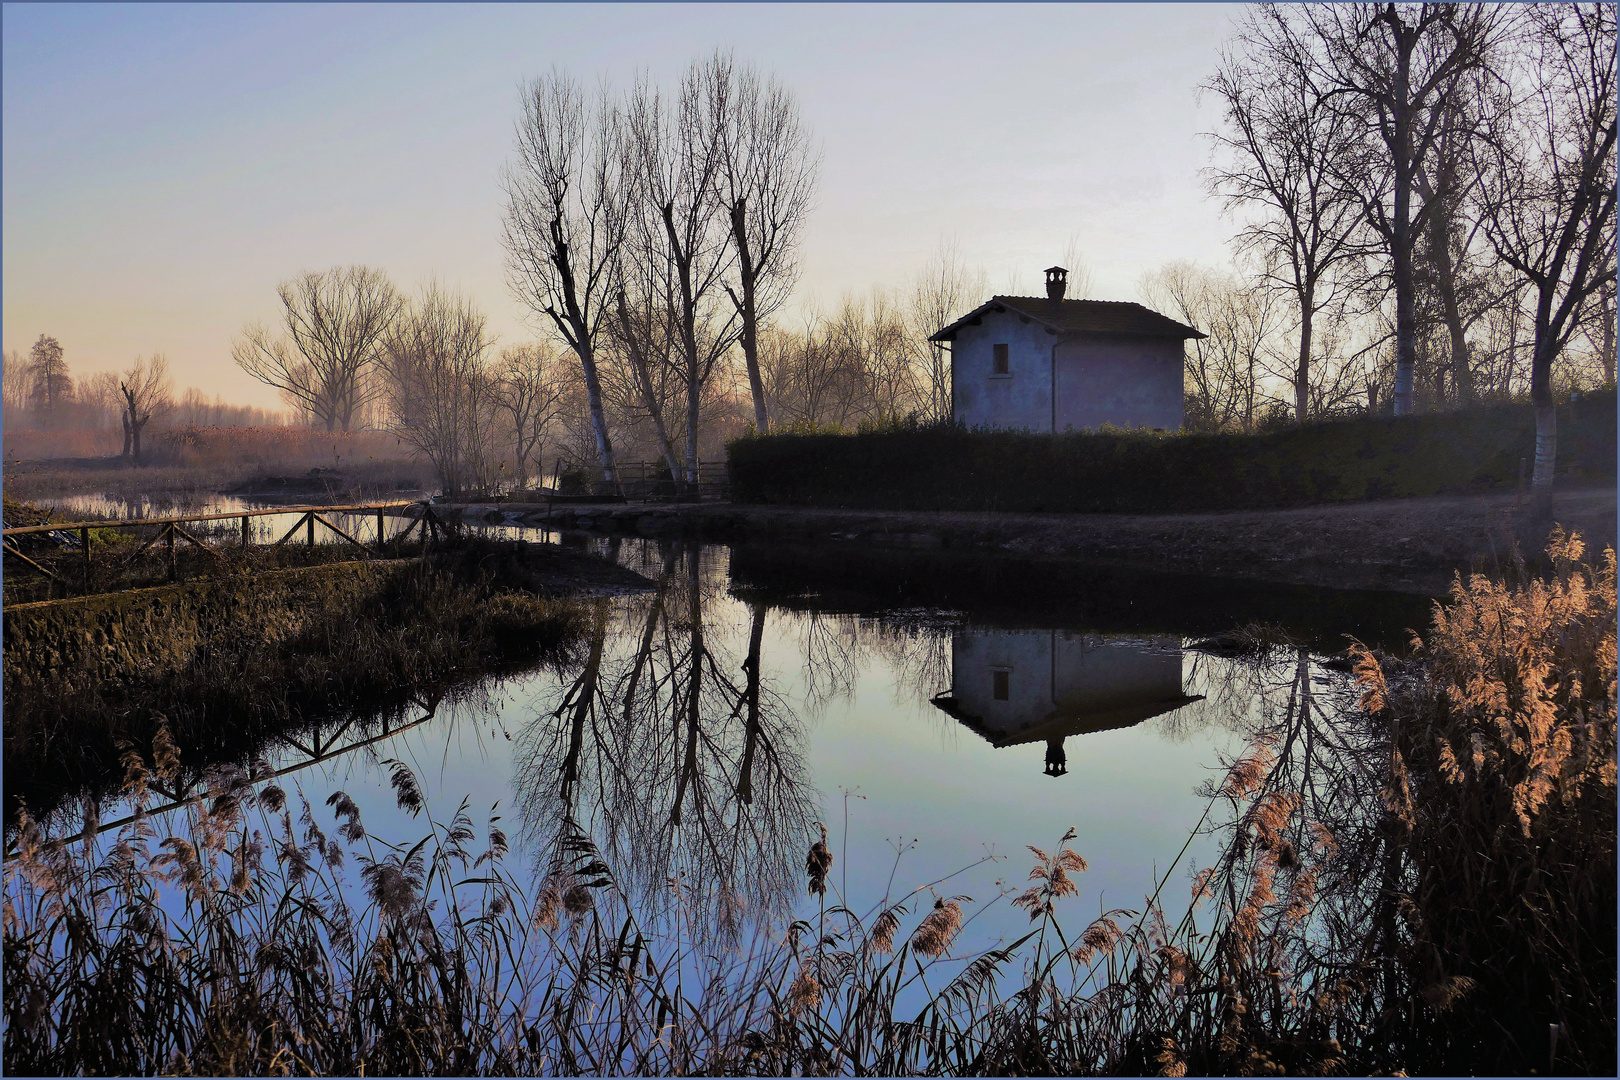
<point x="951" y="468"/>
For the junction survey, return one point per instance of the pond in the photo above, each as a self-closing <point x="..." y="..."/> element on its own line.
<point x="935" y="713"/>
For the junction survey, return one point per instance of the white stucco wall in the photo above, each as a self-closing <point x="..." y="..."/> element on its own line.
<point x="1127" y="382"/>
<point x="1020" y="399"/>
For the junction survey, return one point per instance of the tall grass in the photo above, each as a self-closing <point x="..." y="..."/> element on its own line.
<point x="427" y="633"/>
<point x="1417" y="875"/>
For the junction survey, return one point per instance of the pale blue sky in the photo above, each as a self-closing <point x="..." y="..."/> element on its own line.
<point x="165" y="166"/>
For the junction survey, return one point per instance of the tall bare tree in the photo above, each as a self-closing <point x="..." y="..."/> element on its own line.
<point x="1547" y="188"/>
<point x="944" y="290"/>
<point x="642" y="333"/>
<point x="678" y="153"/>
<point x="147" y="393"/>
<point x="766" y="184"/>
<point x="439" y="387"/>
<point x="528" y="390"/>
<point x="50" y="383"/>
<point x="1225" y="370"/>
<point x="336" y="321"/>
<point x="1398" y="68"/>
<point x="567" y="202"/>
<point x="1285" y="139"/>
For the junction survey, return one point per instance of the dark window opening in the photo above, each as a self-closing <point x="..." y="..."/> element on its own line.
<point x="1000" y="360"/>
<point x="999" y="685"/>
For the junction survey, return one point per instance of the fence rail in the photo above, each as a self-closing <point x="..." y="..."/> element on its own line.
<point x="169" y="531"/>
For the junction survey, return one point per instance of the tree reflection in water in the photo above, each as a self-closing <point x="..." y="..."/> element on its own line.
<point x="679" y="761"/>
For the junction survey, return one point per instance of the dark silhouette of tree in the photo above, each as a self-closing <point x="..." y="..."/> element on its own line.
<point x="147" y="393"/>
<point x="567" y="201"/>
<point x="1547" y="189"/>
<point x="1286" y="140"/>
<point x="1397" y="69"/>
<point x="766" y="184"/>
<point x="677" y="155"/>
<point x="49" y="382"/>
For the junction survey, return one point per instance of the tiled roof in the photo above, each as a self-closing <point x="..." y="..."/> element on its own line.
<point x="1079" y="317"/>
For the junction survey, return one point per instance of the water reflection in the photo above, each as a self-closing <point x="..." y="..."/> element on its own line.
<point x="1014" y="687"/>
<point x="677" y="757"/>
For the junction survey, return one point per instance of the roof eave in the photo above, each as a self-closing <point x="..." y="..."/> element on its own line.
<point x="948" y="333"/>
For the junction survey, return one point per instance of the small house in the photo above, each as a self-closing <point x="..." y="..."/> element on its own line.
<point x="1051" y="364"/>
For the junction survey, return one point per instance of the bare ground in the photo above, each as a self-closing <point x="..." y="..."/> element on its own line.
<point x="1401" y="545"/>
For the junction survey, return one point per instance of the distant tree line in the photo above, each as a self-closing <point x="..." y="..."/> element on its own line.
<point x="41" y="393"/>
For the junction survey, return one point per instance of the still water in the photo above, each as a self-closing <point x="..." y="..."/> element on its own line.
<point x="935" y="713"/>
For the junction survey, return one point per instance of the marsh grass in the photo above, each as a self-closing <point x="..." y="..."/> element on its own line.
<point x="432" y="632"/>
<point x="1417" y="874"/>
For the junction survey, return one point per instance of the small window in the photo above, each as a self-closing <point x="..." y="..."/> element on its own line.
<point x="999" y="363"/>
<point x="998" y="685"/>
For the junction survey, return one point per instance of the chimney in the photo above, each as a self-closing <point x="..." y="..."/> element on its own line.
<point x="1057" y="282"/>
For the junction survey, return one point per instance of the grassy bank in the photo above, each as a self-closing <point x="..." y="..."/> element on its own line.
<point x="1417" y="874"/>
<point x="226" y="664"/>
<point x="949" y="468"/>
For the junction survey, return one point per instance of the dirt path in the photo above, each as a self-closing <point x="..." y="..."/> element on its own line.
<point x="1402" y="545"/>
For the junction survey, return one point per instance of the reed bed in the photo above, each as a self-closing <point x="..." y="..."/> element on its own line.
<point x="435" y="631"/>
<point x="1417" y="875"/>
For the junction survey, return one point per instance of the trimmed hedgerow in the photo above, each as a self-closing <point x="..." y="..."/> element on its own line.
<point x="952" y="468"/>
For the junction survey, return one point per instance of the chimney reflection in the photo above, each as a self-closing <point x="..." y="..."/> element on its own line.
<point x="1014" y="687"/>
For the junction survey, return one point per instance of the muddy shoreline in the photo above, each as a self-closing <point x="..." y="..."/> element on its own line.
<point x="1412" y="546"/>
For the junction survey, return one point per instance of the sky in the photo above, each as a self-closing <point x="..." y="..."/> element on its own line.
<point x="165" y="166"/>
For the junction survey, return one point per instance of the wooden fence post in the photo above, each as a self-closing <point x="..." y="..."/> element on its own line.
<point x="381" y="539"/>
<point x="310" y="518"/>
<point x="244" y="534"/>
<point x="168" y="536"/>
<point x="84" y="538"/>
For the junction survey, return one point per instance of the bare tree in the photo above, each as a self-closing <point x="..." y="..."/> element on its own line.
<point x="1079" y="278"/>
<point x="50" y="384"/>
<point x="336" y="321"/>
<point x="566" y="213"/>
<point x="1224" y="370"/>
<point x="642" y="334"/>
<point x="766" y="184"/>
<point x="945" y="290"/>
<point x="439" y="388"/>
<point x="1548" y="189"/>
<point x="1286" y="141"/>
<point x="677" y="149"/>
<point x="101" y="400"/>
<point x="528" y="390"/>
<point x="16" y="380"/>
<point x="147" y="393"/>
<point x="1397" y="68"/>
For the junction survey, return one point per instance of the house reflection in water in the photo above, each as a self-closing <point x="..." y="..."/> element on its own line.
<point x="1028" y="686"/>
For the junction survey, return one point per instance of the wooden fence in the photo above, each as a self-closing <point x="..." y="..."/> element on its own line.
<point x="170" y="530"/>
